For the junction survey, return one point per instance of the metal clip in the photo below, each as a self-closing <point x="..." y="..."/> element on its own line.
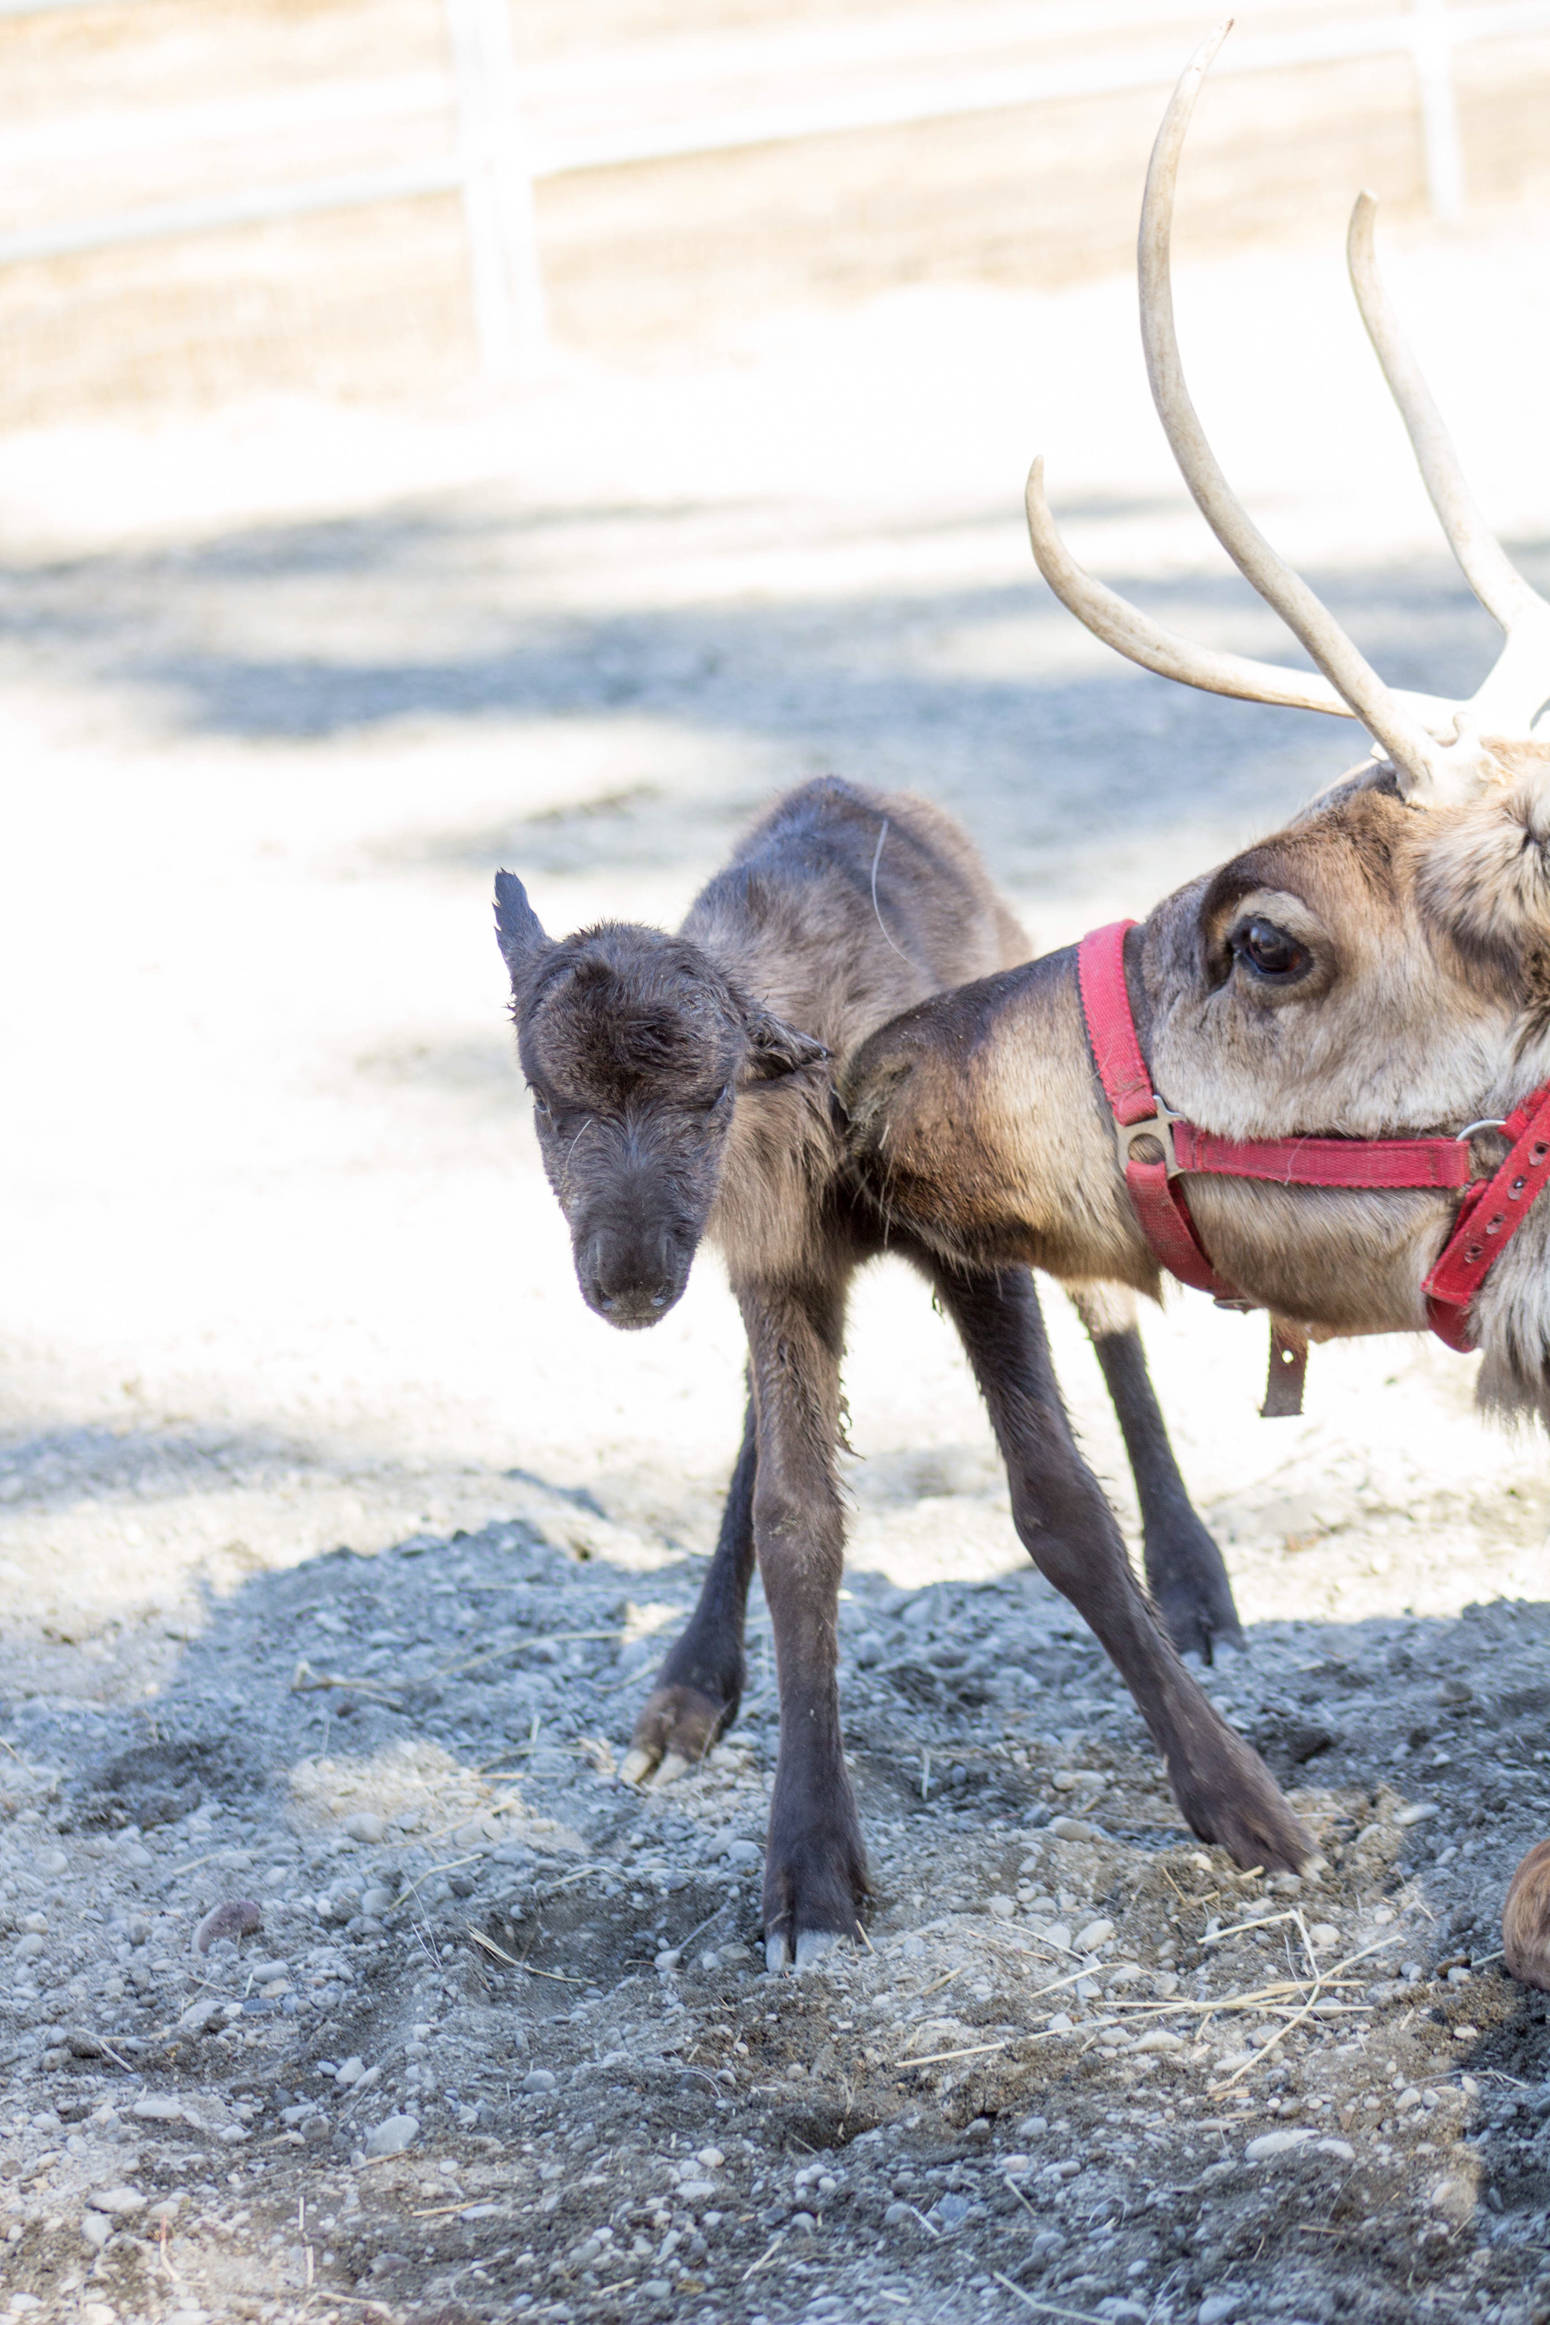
<point x="1158" y="1126"/>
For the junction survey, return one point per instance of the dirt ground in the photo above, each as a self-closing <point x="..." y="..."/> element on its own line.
<point x="340" y="1541"/>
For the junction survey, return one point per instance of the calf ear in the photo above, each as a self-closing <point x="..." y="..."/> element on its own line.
<point x="518" y="929"/>
<point x="775" y="1049"/>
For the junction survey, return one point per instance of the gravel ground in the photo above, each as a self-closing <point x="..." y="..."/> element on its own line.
<point x="338" y="1975"/>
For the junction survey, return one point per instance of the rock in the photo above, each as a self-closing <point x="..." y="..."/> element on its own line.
<point x="28" y="1948"/>
<point x="656" y="2288"/>
<point x="365" y="1825"/>
<point x="950" y="2211"/>
<point x="1159" y="2039"/>
<point x="540" y="2079"/>
<point x="349" y="2072"/>
<point x="1119" y="2311"/>
<point x="96" y="2228"/>
<point x="158" y="2108"/>
<point x="1417" y="1813"/>
<point x="1004" y="1908"/>
<point x="1274" y="2143"/>
<point x="1217" y="2309"/>
<point x="1074" y="1828"/>
<point x="123" y="2201"/>
<point x="743" y="1854"/>
<point x="1341" y="2148"/>
<point x="898" y="2215"/>
<point x="201" y="2015"/>
<point x="1323" y="1935"/>
<point x="393" y="2135"/>
<point x="711" y="2157"/>
<point x="1033" y="2126"/>
<point x="669" y="1958"/>
<point x="696" y="2191"/>
<point x="1454" y="2198"/>
<point x="233" y="1917"/>
<point x="377" y="1900"/>
<point x="1058" y="1935"/>
<point x="1096" y="1934"/>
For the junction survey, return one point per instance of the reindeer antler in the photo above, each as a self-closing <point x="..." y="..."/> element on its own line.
<point x="1434" y="745"/>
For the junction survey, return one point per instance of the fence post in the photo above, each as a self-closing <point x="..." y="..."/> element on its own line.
<point x="508" y="293"/>
<point x="1431" y="50"/>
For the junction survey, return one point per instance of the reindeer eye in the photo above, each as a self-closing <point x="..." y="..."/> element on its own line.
<point x="541" y="1107"/>
<point x="1270" y="952"/>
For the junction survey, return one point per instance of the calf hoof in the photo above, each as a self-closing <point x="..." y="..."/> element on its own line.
<point x="1229" y="1797"/>
<point x="1188" y="1581"/>
<point x="1526" y="1920"/>
<point x="814" y="1889"/>
<point x="674" y="1732"/>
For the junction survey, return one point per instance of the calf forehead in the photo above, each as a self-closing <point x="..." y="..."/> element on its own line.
<point x="606" y="1027"/>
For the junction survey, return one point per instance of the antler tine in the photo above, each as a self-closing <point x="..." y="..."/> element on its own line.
<point x="1135" y="635"/>
<point x="1403" y="740"/>
<point x="1520" y="682"/>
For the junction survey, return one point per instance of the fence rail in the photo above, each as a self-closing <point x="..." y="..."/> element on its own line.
<point x="513" y="131"/>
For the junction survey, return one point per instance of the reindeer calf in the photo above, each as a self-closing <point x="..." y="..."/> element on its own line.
<point x="674" y="1100"/>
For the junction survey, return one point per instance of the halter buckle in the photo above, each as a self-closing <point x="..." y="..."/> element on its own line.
<point x="1158" y="1125"/>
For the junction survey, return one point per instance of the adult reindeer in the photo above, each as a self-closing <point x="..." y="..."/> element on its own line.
<point x="1349" y="1023"/>
<point x="673" y="1099"/>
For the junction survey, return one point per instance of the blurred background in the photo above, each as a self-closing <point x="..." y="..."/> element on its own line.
<point x="380" y="197"/>
<point x="436" y="435"/>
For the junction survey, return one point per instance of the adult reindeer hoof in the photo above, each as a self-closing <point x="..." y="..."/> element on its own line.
<point x="1229" y="1797"/>
<point x="1526" y="1920"/>
<point x="1188" y="1581"/>
<point x="674" y="1732"/>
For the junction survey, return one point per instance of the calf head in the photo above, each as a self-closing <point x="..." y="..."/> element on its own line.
<point x="635" y="1044"/>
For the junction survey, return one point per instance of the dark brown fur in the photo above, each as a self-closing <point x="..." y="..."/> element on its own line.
<point x="675" y="1099"/>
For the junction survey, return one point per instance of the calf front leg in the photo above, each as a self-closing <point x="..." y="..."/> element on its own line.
<point x="815" y="1878"/>
<point x="1184" y="1569"/>
<point x="700" y="1684"/>
<point x="1222" y="1786"/>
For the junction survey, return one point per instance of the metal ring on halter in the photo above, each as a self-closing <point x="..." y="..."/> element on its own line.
<point x="1486" y="1123"/>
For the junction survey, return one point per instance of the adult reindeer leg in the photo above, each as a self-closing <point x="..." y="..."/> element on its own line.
<point x="1184" y="1568"/>
<point x="1220" y="1783"/>
<point x="815" y="1877"/>
<point x="700" y="1683"/>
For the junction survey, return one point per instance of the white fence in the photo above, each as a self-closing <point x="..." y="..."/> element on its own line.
<point x="716" y="94"/>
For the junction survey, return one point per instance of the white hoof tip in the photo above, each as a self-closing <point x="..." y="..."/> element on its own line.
<point x="813" y="1944"/>
<point x="777" y="1954"/>
<point x="673" y="1766"/>
<point x="635" y="1767"/>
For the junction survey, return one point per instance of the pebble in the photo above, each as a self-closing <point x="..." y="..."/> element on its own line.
<point x="393" y="2135"/>
<point x="376" y="1900"/>
<point x="1159" y="2039"/>
<point x="28" y="1948"/>
<point x="201" y="2015"/>
<point x="1058" y="1935"/>
<point x="540" y="2079"/>
<point x="158" y="2108"/>
<point x="711" y="2157"/>
<point x="1454" y="2199"/>
<point x="349" y="2071"/>
<point x="1073" y="1828"/>
<point x="233" y="1917"/>
<point x="951" y="2210"/>
<point x="1118" y="2311"/>
<point x="96" y="2228"/>
<point x="696" y="2191"/>
<point x="1417" y="1812"/>
<point x="743" y="1853"/>
<point x="1217" y="2309"/>
<point x="365" y="1825"/>
<point x="897" y="2215"/>
<point x="122" y="2201"/>
<point x="1096" y="1934"/>
<point x="1032" y="2126"/>
<point x="1274" y="2143"/>
<point x="1003" y="1907"/>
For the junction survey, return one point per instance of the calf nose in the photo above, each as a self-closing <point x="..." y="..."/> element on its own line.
<point x="629" y="1288"/>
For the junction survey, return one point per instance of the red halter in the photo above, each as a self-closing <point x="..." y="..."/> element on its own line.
<point x="1490" y="1212"/>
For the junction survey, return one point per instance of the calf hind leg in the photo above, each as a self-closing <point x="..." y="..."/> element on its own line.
<point x="1222" y="1786"/>
<point x="700" y="1684"/>
<point x="1184" y="1568"/>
